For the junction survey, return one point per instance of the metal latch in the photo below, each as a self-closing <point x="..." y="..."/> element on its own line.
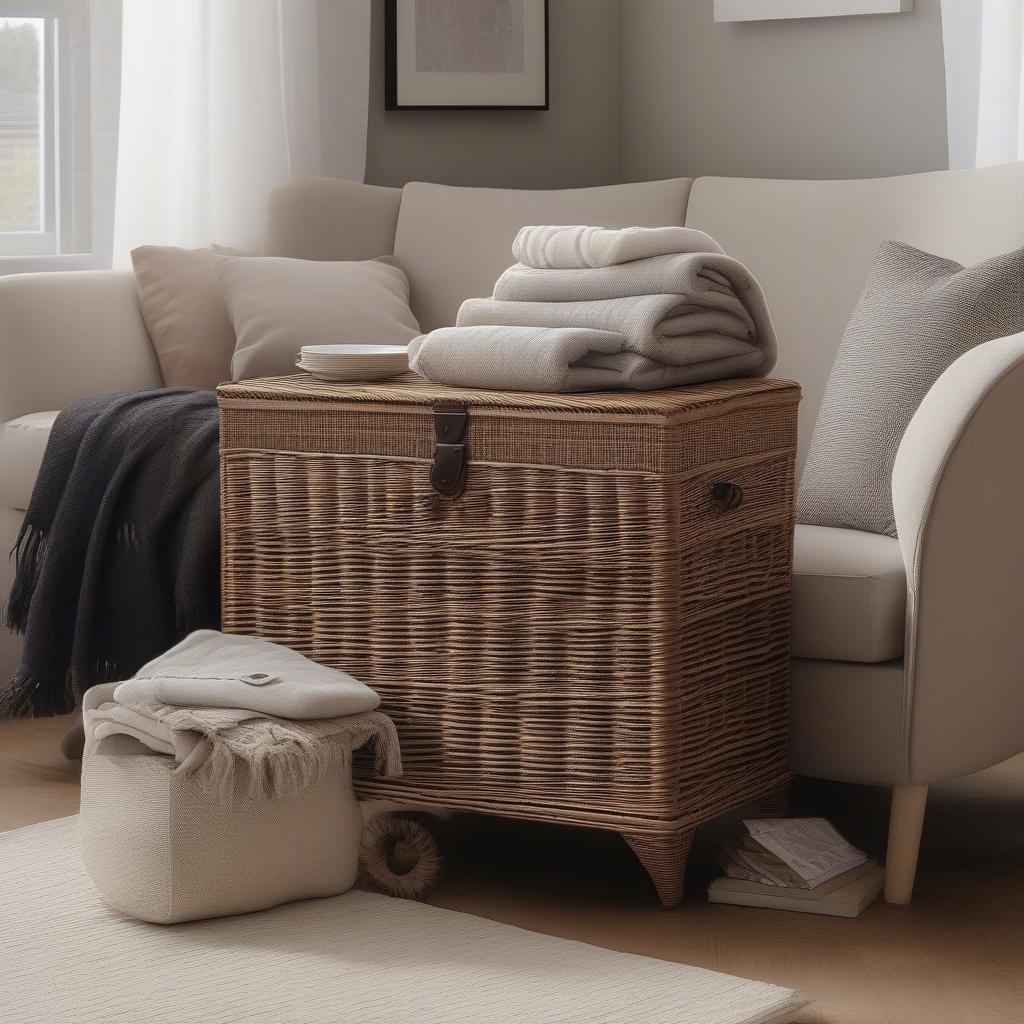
<point x="451" y="456"/>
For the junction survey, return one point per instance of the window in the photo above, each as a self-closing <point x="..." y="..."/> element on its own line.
<point x="47" y="151"/>
<point x="27" y="123"/>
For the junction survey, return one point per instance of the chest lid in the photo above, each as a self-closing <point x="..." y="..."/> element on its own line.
<point x="409" y="417"/>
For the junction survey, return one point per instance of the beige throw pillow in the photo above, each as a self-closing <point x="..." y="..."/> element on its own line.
<point x="182" y="305"/>
<point x="277" y="305"/>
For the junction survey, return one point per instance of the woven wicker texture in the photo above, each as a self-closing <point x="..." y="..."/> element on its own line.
<point x="586" y="635"/>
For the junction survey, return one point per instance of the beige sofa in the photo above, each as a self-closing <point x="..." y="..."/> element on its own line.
<point x="908" y="655"/>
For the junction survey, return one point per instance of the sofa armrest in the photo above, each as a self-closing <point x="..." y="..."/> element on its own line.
<point x="69" y="335"/>
<point x="958" y="494"/>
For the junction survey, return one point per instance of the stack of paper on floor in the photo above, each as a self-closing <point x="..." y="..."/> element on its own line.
<point x="796" y="864"/>
<point x="587" y="309"/>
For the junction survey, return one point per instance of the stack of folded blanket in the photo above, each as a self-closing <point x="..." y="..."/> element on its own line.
<point x="216" y="702"/>
<point x="589" y="308"/>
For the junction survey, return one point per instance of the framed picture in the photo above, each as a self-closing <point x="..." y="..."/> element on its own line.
<point x="466" y="54"/>
<point x="769" y="10"/>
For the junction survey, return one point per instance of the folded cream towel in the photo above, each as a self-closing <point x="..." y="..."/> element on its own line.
<point x="710" y="280"/>
<point x="675" y="330"/>
<point x="218" y="670"/>
<point x="567" y="247"/>
<point x="518" y="358"/>
<point x="591" y="308"/>
<point x="282" y="756"/>
<point x="547" y="360"/>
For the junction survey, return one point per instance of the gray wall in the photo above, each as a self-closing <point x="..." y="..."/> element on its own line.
<point x="575" y="143"/>
<point x="852" y="97"/>
<point x="645" y="89"/>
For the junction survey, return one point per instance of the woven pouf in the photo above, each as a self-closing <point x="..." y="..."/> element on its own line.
<point x="159" y="847"/>
<point x="400" y="854"/>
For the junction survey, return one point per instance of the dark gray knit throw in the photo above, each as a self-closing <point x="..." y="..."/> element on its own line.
<point x="119" y="554"/>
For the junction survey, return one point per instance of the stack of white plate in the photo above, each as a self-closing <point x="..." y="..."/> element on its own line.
<point x="353" y="362"/>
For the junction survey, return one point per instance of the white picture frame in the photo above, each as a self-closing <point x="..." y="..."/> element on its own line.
<point x="771" y="10"/>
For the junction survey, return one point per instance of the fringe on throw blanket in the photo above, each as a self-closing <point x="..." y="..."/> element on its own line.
<point x="28" y="553"/>
<point x="279" y="757"/>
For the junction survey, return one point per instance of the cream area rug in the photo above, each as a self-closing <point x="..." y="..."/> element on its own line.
<point x="64" y="957"/>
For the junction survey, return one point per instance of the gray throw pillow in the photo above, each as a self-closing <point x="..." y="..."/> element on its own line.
<point x="917" y="315"/>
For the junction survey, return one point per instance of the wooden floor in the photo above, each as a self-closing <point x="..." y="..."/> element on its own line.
<point x="956" y="956"/>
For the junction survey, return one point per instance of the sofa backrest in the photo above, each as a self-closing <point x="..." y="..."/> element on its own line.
<point x="331" y="219"/>
<point x="454" y="242"/>
<point x="810" y="244"/>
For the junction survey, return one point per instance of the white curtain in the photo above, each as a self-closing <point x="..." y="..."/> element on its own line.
<point x="220" y="101"/>
<point x="984" y="50"/>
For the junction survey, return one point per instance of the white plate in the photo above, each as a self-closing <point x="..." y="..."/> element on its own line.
<point x="353" y="374"/>
<point x="354" y="350"/>
<point x="353" y="362"/>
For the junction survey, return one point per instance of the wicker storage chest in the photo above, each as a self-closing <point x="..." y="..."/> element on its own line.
<point x="575" y="607"/>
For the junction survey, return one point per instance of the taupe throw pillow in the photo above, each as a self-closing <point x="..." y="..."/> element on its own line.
<point x="917" y="315"/>
<point x="277" y="305"/>
<point x="184" y="312"/>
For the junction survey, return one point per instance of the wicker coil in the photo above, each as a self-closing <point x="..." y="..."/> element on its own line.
<point x="595" y="632"/>
<point x="400" y="855"/>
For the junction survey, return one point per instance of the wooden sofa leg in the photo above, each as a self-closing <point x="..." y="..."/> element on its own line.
<point x="906" y="818"/>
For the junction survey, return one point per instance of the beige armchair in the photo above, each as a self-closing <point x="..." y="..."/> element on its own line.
<point x="954" y="704"/>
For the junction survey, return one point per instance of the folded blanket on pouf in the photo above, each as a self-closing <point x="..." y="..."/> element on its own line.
<point x="218" y="702"/>
<point x="210" y="669"/>
<point x="606" y="309"/>
<point x="283" y="756"/>
<point x="119" y="554"/>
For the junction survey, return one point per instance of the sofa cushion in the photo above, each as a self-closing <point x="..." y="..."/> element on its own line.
<point x="849" y="595"/>
<point x="22" y="443"/>
<point x="67" y="334"/>
<point x="182" y="304"/>
<point x="454" y="242"/>
<point x="917" y="315"/>
<point x="277" y="305"/>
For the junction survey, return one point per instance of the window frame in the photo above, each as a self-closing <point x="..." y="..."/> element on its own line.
<point x="57" y="245"/>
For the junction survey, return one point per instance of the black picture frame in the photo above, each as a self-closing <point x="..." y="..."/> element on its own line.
<point x="391" y="71"/>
